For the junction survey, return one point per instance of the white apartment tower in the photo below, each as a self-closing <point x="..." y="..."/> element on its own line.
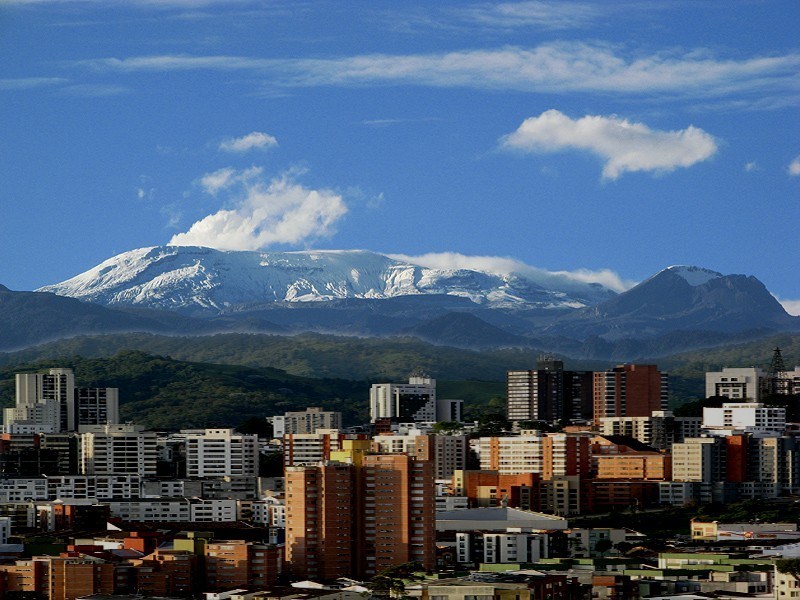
<point x="50" y="403"/>
<point x="414" y="401"/>
<point x="118" y="450"/>
<point x="221" y="453"/>
<point x="512" y="455"/>
<point x="747" y="417"/>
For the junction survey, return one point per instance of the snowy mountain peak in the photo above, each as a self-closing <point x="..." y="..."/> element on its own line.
<point x="694" y="276"/>
<point x="191" y="278"/>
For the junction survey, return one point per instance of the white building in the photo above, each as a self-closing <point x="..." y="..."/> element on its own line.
<point x="50" y="403"/>
<point x="221" y="453"/>
<point x="449" y="451"/>
<point x="510" y="547"/>
<point x="117" y="450"/>
<point x="747" y="417"/>
<point x="512" y="455"/>
<point x="736" y="383"/>
<point x="660" y="430"/>
<point x="307" y="421"/>
<point x="174" y="509"/>
<point x="412" y="401"/>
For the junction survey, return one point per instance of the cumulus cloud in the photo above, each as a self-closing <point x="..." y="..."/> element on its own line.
<point x="264" y="213"/>
<point x="624" y="145"/>
<point x="505" y="266"/>
<point x="251" y="141"/>
<point x="794" y="167"/>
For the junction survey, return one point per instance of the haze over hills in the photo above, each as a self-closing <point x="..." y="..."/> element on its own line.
<point x="198" y="291"/>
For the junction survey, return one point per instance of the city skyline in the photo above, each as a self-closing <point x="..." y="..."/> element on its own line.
<point x="614" y="137"/>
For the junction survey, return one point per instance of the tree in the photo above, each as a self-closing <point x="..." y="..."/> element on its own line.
<point x="492" y="424"/>
<point x="392" y="581"/>
<point x="258" y="425"/>
<point x="447" y="427"/>
<point x="603" y="545"/>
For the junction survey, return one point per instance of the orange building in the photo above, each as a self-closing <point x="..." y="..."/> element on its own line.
<point x="23" y="576"/>
<point x="644" y="466"/>
<point x="565" y="455"/>
<point x="398" y="518"/>
<point x="70" y="578"/>
<point x="238" y="563"/>
<point x="355" y="519"/>
<point x="320" y="524"/>
<point x="167" y="573"/>
<point x="489" y="488"/>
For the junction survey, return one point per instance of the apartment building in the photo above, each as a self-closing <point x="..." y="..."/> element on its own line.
<point x="221" y="453"/>
<point x="414" y="401"/>
<point x="307" y="421"/>
<point x="630" y="391"/>
<point x="548" y="393"/>
<point x="118" y="450"/>
<point x="358" y="518"/>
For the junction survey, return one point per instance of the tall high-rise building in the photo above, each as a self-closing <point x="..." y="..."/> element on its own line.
<point x="414" y="401"/>
<point x="358" y="518"/>
<point x="320" y="525"/>
<point x="630" y="391"/>
<point x="50" y="403"/>
<point x="549" y="393"/>
<point x="399" y="510"/>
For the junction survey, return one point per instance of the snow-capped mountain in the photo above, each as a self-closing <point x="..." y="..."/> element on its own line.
<point x="192" y="279"/>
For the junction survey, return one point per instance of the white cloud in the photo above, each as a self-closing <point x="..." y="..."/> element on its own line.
<point x="794" y="167"/>
<point x="533" y="13"/>
<point x="624" y="145"/>
<point x="504" y="266"/>
<point x="790" y="306"/>
<point x="225" y="178"/>
<point x="563" y="67"/>
<point x="279" y="211"/>
<point x="27" y="83"/>
<point x="251" y="141"/>
<point x="751" y="167"/>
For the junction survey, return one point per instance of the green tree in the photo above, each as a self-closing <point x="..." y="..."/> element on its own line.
<point x="447" y="427"/>
<point x="603" y="545"/>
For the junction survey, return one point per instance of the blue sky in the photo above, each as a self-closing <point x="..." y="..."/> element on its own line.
<point x="610" y="139"/>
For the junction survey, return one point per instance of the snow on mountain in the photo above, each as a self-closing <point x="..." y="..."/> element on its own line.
<point x="190" y="278"/>
<point x="694" y="276"/>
